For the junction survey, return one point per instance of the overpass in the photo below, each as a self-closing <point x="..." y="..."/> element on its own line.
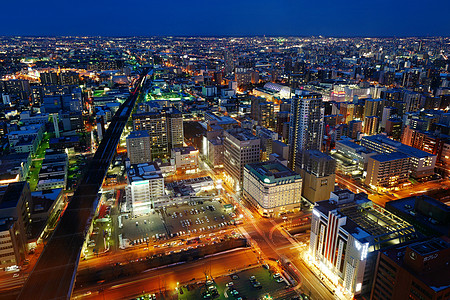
<point x="53" y="276"/>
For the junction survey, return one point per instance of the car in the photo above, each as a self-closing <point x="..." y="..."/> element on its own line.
<point x="252" y="278"/>
<point x="230" y="284"/>
<point x="235" y="277"/>
<point x="257" y="285"/>
<point x="153" y="297"/>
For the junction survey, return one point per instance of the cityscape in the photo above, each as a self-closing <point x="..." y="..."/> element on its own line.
<point x="224" y="167"/>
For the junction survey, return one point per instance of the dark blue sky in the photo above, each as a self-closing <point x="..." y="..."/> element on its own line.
<point x="233" y="17"/>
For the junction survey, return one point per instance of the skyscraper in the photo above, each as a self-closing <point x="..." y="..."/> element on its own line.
<point x="306" y="125"/>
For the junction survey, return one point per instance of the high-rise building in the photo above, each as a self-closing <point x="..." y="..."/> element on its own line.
<point x="145" y="184"/>
<point x="354" y="128"/>
<point x="319" y="175"/>
<point x="164" y="127"/>
<point x="138" y="147"/>
<point x="49" y="78"/>
<point x="272" y="188"/>
<point x="372" y="107"/>
<point x="306" y="125"/>
<point x="262" y="112"/>
<point x="241" y="147"/>
<point x="370" y="125"/>
<point x="347" y="231"/>
<point x="175" y="131"/>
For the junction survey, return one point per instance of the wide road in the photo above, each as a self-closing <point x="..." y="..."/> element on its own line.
<point x="412" y="190"/>
<point x="53" y="276"/>
<point x="165" y="279"/>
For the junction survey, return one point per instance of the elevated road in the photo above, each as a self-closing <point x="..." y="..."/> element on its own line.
<point x="54" y="274"/>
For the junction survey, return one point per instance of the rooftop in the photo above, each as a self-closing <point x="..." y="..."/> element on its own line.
<point x="138" y="134"/>
<point x="272" y="172"/>
<point x="144" y="171"/>
<point x="389" y="156"/>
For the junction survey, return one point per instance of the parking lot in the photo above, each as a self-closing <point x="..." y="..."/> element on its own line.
<point x="150" y="226"/>
<point x="254" y="283"/>
<point x="196" y="217"/>
<point x="182" y="221"/>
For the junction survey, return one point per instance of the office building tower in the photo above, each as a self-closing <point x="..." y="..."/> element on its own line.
<point x="319" y="174"/>
<point x="241" y="147"/>
<point x="145" y="183"/>
<point x="306" y="125"/>
<point x="415" y="271"/>
<point x="347" y="232"/>
<point x="272" y="188"/>
<point x="138" y="147"/>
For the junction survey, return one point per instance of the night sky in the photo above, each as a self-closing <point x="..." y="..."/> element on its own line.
<point x="230" y="18"/>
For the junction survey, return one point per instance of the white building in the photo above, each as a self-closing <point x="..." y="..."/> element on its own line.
<point x="272" y="188"/>
<point x="186" y="159"/>
<point x="145" y="183"/>
<point x="347" y="232"/>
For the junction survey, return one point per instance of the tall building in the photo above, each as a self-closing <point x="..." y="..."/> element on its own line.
<point x="262" y="112"/>
<point x="175" y="131"/>
<point x="347" y="232"/>
<point x="138" y="147"/>
<point x="164" y="127"/>
<point x="145" y="184"/>
<point x="241" y="147"/>
<point x="354" y="127"/>
<point x="306" y="125"/>
<point x="372" y="107"/>
<point x="414" y="271"/>
<point x="319" y="175"/>
<point x="272" y="188"/>
<point x="370" y="125"/>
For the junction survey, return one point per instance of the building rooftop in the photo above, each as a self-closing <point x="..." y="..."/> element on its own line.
<point x="272" y="172"/>
<point x="184" y="150"/>
<point x="242" y="134"/>
<point x="12" y="194"/>
<point x="421" y="259"/>
<point x="389" y="156"/>
<point x="144" y="171"/>
<point x="411" y="151"/>
<point x="138" y="134"/>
